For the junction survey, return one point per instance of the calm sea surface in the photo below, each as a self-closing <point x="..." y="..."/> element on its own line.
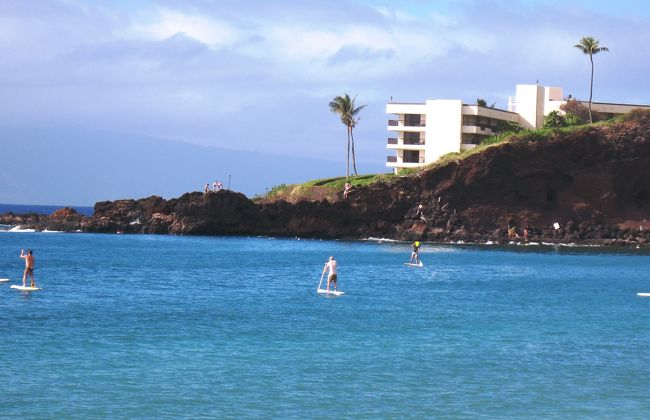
<point x="33" y="208"/>
<point x="208" y="327"/>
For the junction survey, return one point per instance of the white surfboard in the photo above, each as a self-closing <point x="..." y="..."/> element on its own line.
<point x="24" y="288"/>
<point x="415" y="265"/>
<point x="643" y="294"/>
<point x="330" y="292"/>
<point x="4" y="280"/>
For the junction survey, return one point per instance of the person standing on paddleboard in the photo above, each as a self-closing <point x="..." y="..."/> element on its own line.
<point x="331" y="277"/>
<point x="29" y="266"/>
<point x="415" y="259"/>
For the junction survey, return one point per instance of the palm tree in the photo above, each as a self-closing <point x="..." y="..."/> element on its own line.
<point x="345" y="107"/>
<point x="589" y="45"/>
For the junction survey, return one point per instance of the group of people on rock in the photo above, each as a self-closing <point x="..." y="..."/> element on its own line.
<point x="216" y="186"/>
<point x="512" y="233"/>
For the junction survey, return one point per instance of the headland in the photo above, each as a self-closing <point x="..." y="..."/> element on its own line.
<point x="585" y="185"/>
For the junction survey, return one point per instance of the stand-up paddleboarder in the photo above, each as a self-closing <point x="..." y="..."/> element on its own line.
<point x="331" y="277"/>
<point x="29" y="266"/>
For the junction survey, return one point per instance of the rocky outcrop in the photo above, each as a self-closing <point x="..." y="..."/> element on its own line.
<point x="220" y="213"/>
<point x="592" y="182"/>
<point x="66" y="219"/>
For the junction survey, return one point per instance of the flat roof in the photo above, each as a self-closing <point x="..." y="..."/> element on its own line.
<point x="489" y="107"/>
<point x="406" y="103"/>
<point x="612" y="103"/>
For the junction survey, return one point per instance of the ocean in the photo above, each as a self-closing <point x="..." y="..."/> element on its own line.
<point x="38" y="209"/>
<point x="143" y="326"/>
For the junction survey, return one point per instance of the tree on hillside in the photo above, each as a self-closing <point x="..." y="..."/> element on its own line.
<point x="346" y="108"/>
<point x="574" y="107"/>
<point x="590" y="46"/>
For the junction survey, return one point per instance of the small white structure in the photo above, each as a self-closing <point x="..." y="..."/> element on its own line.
<point x="423" y="132"/>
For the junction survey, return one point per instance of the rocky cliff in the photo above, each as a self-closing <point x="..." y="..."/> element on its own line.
<point x="592" y="181"/>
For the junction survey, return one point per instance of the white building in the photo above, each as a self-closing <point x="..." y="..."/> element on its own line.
<point x="423" y="132"/>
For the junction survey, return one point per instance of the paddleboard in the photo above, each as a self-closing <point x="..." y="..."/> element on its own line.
<point x="415" y="265"/>
<point x="643" y="294"/>
<point x="24" y="288"/>
<point x="330" y="292"/>
<point x="4" y="280"/>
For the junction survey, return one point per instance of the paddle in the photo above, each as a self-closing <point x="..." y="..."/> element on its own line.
<point x="321" y="280"/>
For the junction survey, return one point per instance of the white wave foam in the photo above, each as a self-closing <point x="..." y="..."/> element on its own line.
<point x="20" y="229"/>
<point x="374" y="239"/>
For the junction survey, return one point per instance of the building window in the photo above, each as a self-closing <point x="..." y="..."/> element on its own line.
<point x="472" y="138"/>
<point x="411" y="156"/>
<point x="412" y="120"/>
<point x="469" y="120"/>
<point x="411" y="138"/>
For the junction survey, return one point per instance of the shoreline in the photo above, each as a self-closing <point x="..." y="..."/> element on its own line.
<point x="603" y="244"/>
<point x="232" y="214"/>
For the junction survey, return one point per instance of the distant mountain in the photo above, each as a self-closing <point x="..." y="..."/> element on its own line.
<point x="81" y="167"/>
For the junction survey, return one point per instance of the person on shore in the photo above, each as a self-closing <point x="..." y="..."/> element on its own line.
<point x="415" y="258"/>
<point x="207" y="189"/>
<point x="420" y="213"/>
<point x="29" y="266"/>
<point x="512" y="233"/>
<point x="331" y="277"/>
<point x="215" y="186"/>
<point x="346" y="191"/>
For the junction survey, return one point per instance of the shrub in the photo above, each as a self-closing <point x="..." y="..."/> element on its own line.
<point x="572" y="119"/>
<point x="276" y="190"/>
<point x="554" y="120"/>
<point x="572" y="106"/>
<point x="509" y="127"/>
<point x="639" y="114"/>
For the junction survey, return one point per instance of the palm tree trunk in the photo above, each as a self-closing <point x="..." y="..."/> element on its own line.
<point x="354" y="159"/>
<point x="591" y="87"/>
<point x="347" y="162"/>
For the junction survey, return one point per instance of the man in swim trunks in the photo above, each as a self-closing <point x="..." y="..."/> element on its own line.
<point x="29" y="266"/>
<point x="415" y="259"/>
<point x="346" y="191"/>
<point x="331" y="278"/>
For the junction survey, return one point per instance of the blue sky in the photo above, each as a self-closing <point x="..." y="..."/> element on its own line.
<point x="257" y="75"/>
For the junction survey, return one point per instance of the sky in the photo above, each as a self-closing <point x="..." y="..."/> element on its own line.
<point x="257" y="75"/>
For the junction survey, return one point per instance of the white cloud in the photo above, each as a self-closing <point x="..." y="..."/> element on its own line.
<point x="165" y="23"/>
<point x="396" y="14"/>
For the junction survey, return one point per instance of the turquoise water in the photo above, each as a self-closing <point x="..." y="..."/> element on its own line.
<point x="200" y="327"/>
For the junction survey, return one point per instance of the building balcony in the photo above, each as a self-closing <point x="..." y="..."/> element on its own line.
<point x="414" y="142"/>
<point x="418" y="161"/>
<point x="405" y="125"/>
<point x="403" y="165"/>
<point x="395" y="143"/>
<point x="478" y="129"/>
<point x="396" y="162"/>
